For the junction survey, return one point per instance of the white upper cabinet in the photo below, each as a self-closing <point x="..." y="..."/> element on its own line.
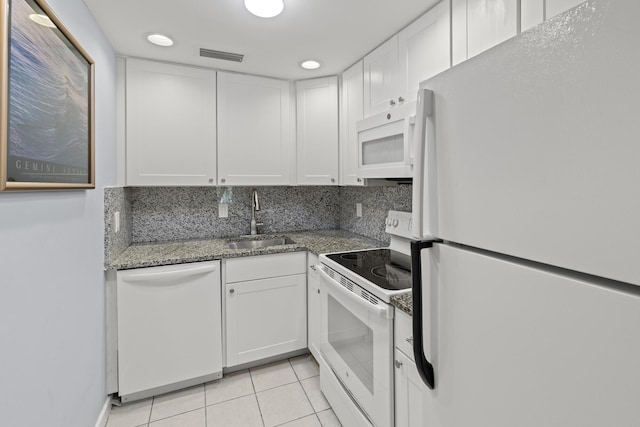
<point x="555" y="7"/>
<point x="394" y="70"/>
<point x="536" y="11"/>
<point x="317" y="131"/>
<point x="352" y="103"/>
<point x="381" y="78"/>
<point x="531" y="12"/>
<point x="478" y="25"/>
<point x="170" y="124"/>
<point x="425" y="48"/>
<point x="255" y="144"/>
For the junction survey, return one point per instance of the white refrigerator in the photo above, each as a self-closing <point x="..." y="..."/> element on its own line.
<point x="526" y="266"/>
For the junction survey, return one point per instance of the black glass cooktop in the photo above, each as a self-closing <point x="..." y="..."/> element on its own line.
<point x="386" y="268"/>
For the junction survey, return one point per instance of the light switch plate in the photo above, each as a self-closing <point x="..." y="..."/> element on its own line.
<point x="223" y="210"/>
<point x="359" y="210"/>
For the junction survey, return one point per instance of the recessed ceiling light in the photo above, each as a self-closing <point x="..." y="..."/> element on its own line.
<point x="310" y="65"/>
<point x="160" y="40"/>
<point x="42" y="20"/>
<point x="264" y="8"/>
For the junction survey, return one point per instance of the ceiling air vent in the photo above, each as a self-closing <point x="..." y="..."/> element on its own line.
<point x="225" y="56"/>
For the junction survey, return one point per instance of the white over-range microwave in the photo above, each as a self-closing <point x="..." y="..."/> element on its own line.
<point x="385" y="143"/>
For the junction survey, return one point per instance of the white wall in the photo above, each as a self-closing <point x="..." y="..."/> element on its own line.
<point x="52" y="304"/>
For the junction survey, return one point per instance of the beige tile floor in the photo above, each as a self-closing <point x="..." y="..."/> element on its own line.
<point x="284" y="394"/>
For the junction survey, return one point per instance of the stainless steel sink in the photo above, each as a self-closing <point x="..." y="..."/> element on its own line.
<point x="259" y="243"/>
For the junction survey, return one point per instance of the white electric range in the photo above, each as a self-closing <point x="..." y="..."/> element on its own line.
<point x="356" y="374"/>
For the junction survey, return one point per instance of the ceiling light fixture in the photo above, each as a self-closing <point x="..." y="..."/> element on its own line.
<point x="310" y="65"/>
<point x="264" y="8"/>
<point x="43" y="20"/>
<point x="160" y="40"/>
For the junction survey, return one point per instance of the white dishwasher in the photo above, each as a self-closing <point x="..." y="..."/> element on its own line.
<point x="169" y="328"/>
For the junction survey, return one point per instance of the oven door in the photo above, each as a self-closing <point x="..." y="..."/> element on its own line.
<point x="357" y="342"/>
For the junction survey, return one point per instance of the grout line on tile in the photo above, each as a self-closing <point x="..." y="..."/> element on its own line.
<point x="205" y="403"/>
<point x="153" y="401"/>
<point x="178" y="414"/>
<point x="255" y="396"/>
<point x="307" y="396"/>
<point x="299" y="418"/>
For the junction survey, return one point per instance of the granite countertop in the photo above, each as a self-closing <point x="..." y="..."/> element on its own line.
<point x="166" y="253"/>
<point x="317" y="242"/>
<point x="403" y="302"/>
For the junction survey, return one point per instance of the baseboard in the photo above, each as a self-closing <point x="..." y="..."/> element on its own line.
<point x="104" y="414"/>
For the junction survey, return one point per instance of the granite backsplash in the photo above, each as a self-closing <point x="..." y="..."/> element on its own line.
<point x="158" y="214"/>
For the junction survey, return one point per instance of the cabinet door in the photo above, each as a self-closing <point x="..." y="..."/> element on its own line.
<point x="265" y="318"/>
<point x="317" y="131"/>
<point x="381" y="85"/>
<point x="535" y="11"/>
<point x="171" y="124"/>
<point x="425" y="48"/>
<point x="352" y="102"/>
<point x="409" y="393"/>
<point x="313" y="307"/>
<point x="478" y="25"/>
<point x="555" y="7"/>
<point x="531" y="13"/>
<point x="254" y="135"/>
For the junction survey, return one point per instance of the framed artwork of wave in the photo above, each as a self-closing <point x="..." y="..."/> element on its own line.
<point x="47" y="99"/>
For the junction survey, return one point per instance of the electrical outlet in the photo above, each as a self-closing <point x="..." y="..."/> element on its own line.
<point x="359" y="210"/>
<point x="116" y="221"/>
<point x="223" y="210"/>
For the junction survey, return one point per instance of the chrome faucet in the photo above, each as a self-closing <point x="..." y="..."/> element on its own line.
<point x="255" y="206"/>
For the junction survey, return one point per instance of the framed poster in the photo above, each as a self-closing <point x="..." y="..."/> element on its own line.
<point x="47" y="114"/>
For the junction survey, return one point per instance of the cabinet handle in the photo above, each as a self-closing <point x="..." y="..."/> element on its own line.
<point x="210" y="180"/>
<point x="231" y="291"/>
<point x="333" y="180"/>
<point x="392" y="102"/>
<point x="359" y="179"/>
<point x="318" y="290"/>
<point x="223" y="180"/>
<point x="410" y="341"/>
<point x="398" y="364"/>
<point x="400" y="99"/>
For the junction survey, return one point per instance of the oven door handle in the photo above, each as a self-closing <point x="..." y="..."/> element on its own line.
<point x="382" y="310"/>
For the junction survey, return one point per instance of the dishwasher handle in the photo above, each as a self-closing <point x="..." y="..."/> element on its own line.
<point x="169" y="276"/>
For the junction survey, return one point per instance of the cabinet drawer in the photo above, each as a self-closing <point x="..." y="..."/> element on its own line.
<point x="404" y="333"/>
<point x="265" y="266"/>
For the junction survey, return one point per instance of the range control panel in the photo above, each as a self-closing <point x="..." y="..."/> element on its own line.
<point x="398" y="224"/>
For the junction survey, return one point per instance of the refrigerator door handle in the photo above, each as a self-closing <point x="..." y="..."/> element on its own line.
<point x="425" y="368"/>
<point x="424" y="168"/>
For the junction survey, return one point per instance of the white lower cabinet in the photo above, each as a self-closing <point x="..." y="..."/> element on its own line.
<point x="313" y="306"/>
<point x="266" y="312"/>
<point x="409" y="388"/>
<point x="169" y="328"/>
